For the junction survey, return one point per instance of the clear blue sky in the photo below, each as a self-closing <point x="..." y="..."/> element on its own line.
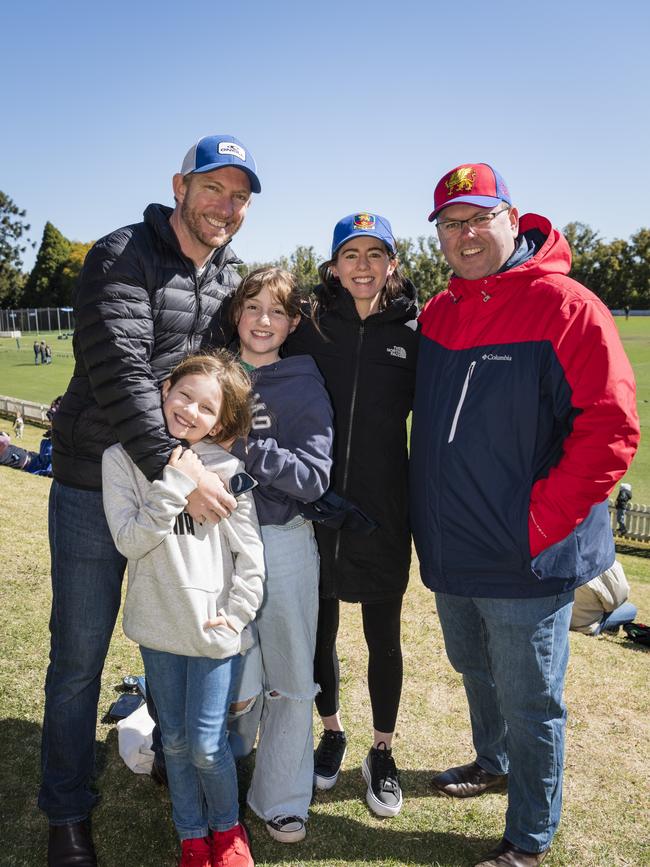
<point x="346" y="106"/>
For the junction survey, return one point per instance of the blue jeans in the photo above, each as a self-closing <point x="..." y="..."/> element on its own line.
<point x="625" y="613"/>
<point x="512" y="654"/>
<point x="87" y="572"/>
<point x="192" y="695"/>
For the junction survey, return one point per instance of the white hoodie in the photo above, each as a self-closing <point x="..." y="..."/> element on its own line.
<point x="180" y="573"/>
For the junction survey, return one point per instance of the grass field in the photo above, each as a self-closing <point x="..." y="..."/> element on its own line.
<point x="21" y="378"/>
<point x="605" y="819"/>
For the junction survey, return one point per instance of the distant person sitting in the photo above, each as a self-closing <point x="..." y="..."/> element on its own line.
<point x="38" y="463"/>
<point x="622" y="505"/>
<point x="601" y="605"/>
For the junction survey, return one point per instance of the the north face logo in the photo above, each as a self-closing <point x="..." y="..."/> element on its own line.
<point x="396" y="351"/>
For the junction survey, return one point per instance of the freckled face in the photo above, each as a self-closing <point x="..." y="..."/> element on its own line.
<point x="263" y="327"/>
<point x="192" y="407"/>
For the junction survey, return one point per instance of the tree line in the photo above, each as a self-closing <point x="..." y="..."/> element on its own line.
<point x="617" y="271"/>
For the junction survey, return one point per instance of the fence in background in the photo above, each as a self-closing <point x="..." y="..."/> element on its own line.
<point x="36" y="319"/>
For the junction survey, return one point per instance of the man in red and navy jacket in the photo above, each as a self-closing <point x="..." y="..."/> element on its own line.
<point x="524" y="420"/>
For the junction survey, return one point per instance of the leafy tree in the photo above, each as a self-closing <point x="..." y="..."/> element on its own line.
<point x="69" y="271"/>
<point x="304" y="267"/>
<point x="584" y="243"/>
<point x="43" y="287"/>
<point x="640" y="269"/>
<point x="12" y="230"/>
<point x="423" y="263"/>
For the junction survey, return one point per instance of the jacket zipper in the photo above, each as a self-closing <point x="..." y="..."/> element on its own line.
<point x="461" y="401"/>
<point x="348" y="445"/>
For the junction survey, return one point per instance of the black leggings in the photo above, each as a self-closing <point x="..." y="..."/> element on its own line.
<point x="381" y="627"/>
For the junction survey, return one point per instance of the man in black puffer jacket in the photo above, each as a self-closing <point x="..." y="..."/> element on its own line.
<point x="148" y="295"/>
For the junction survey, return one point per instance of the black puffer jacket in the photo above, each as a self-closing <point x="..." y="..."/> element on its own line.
<point x="369" y="371"/>
<point x="139" y="309"/>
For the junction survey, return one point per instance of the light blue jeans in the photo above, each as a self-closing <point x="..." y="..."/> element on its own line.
<point x="280" y="667"/>
<point x="192" y="696"/>
<point x="625" y="613"/>
<point x="513" y="654"/>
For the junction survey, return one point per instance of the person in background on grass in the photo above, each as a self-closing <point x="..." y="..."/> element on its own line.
<point x="147" y="295"/>
<point x="525" y="418"/>
<point x="621" y="505"/>
<point x="19" y="426"/>
<point x="193" y="589"/>
<point x="41" y="350"/>
<point x="37" y="351"/>
<point x="601" y="604"/>
<point x="364" y="339"/>
<point x="48" y="354"/>
<point x="288" y="452"/>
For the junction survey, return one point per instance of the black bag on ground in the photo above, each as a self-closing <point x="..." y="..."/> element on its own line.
<point x="638" y="632"/>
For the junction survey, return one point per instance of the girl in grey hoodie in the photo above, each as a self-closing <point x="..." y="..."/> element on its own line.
<point x="193" y="589"/>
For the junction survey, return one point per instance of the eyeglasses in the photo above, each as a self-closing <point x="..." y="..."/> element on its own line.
<point x="478" y="223"/>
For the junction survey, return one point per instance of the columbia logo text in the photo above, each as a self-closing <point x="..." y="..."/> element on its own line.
<point x="492" y="357"/>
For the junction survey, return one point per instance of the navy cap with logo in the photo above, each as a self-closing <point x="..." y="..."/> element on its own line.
<point x="218" y="151"/>
<point x="363" y="223"/>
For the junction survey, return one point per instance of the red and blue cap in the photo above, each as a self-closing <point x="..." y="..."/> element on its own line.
<point x="363" y="223"/>
<point x="470" y="184"/>
<point x="218" y="151"/>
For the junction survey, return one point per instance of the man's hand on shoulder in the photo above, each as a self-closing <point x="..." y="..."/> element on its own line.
<point x="210" y="501"/>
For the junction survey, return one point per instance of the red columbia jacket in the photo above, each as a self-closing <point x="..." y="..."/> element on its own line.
<point x="524" y="419"/>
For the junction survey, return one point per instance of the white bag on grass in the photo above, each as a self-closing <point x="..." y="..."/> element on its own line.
<point x="134" y="740"/>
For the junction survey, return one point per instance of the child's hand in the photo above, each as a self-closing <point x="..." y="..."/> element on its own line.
<point x="219" y="620"/>
<point x="188" y="462"/>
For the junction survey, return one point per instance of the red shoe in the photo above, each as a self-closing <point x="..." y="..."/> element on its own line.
<point x="231" y="848"/>
<point x="196" y="853"/>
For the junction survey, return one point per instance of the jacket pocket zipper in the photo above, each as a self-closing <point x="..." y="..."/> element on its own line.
<point x="461" y="401"/>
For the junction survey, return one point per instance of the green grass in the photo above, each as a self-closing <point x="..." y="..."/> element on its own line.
<point x="40" y="383"/>
<point x="605" y="820"/>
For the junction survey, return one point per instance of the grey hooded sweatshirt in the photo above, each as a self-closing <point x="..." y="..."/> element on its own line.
<point x="181" y="574"/>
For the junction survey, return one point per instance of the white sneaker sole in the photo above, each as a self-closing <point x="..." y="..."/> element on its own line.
<point x="377" y="806"/>
<point x="325" y="783"/>
<point x="287" y="836"/>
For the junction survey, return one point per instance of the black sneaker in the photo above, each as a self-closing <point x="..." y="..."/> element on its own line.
<point x="384" y="795"/>
<point x="328" y="758"/>
<point x="287" y="829"/>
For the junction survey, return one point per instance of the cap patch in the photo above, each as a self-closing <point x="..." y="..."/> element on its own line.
<point x="364" y="221"/>
<point x="460" y="181"/>
<point x="229" y="147"/>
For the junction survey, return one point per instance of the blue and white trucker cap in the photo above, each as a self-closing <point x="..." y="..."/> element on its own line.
<point x="218" y="151"/>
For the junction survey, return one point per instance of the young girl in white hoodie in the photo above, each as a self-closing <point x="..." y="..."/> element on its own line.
<point x="193" y="588"/>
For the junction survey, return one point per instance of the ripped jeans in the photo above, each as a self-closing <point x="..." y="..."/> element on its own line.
<point x="279" y="670"/>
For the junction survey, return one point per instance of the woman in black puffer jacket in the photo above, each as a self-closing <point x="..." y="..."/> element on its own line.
<point x="363" y="337"/>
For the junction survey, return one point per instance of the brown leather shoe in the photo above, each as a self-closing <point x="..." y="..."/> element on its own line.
<point x="467" y="781"/>
<point x="71" y="846"/>
<point x="507" y="854"/>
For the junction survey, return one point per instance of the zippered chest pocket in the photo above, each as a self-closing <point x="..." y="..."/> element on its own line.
<point x="461" y="401"/>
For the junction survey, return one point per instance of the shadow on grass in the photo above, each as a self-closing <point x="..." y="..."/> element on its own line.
<point x="132" y="822"/>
